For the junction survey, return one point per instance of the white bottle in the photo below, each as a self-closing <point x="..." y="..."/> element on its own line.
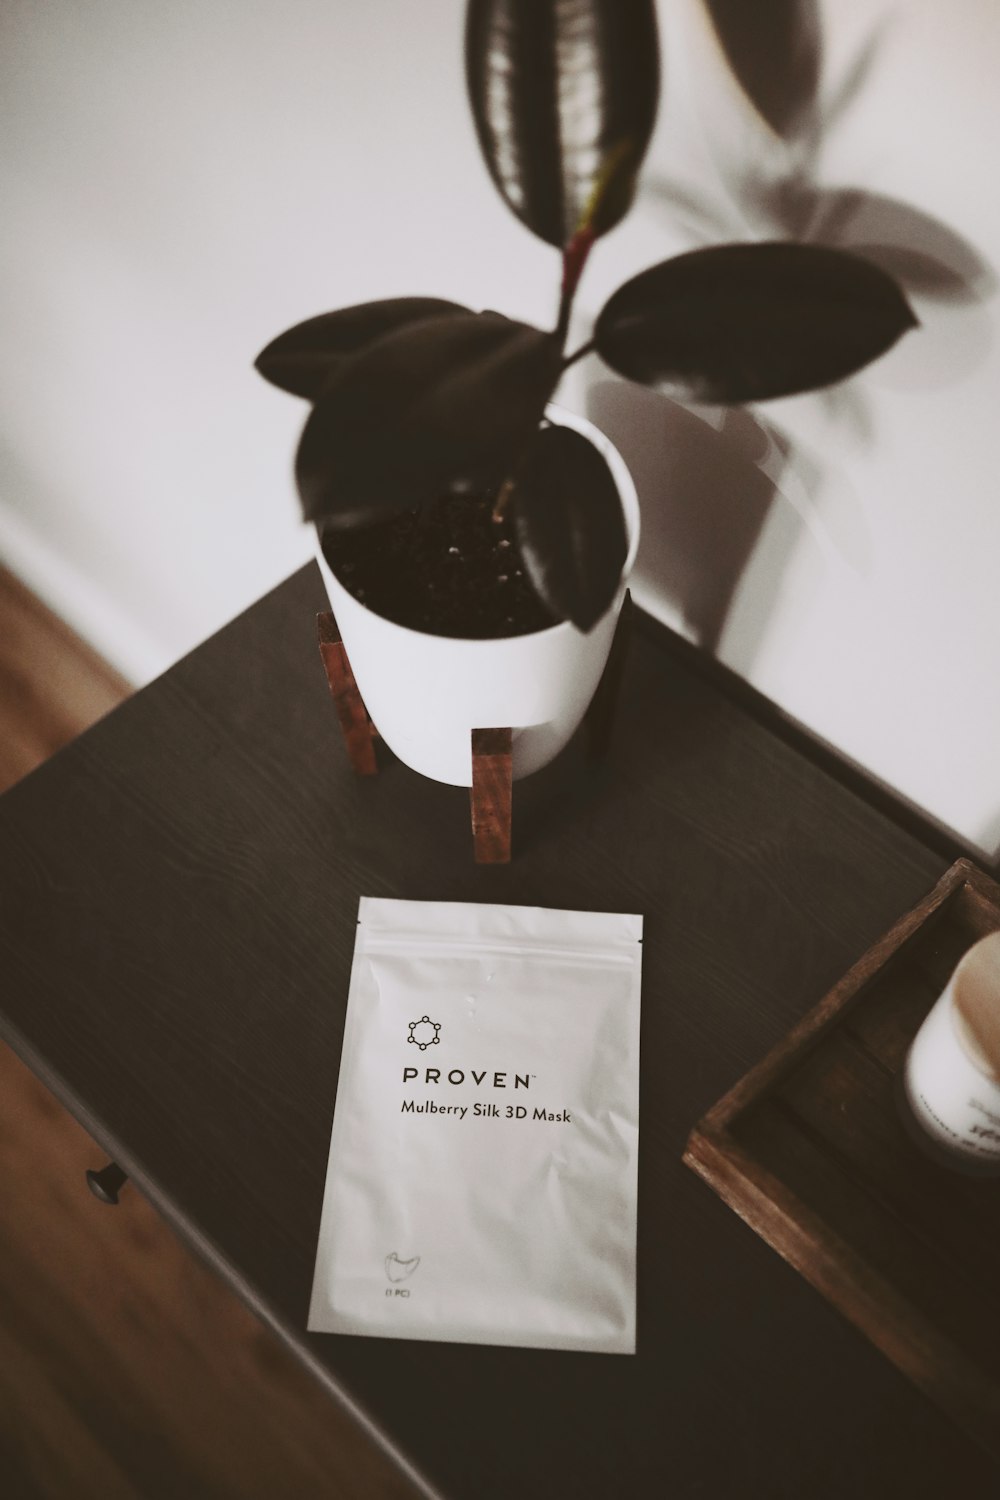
<point x="951" y="1079"/>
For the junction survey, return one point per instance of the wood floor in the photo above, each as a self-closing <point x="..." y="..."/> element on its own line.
<point x="127" y="1371"/>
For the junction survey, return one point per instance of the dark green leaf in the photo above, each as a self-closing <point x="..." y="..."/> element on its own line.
<point x="774" y="50"/>
<point x="303" y="358"/>
<point x="441" y="405"/>
<point x="747" y="322"/>
<point x="564" y="99"/>
<point x="570" y="525"/>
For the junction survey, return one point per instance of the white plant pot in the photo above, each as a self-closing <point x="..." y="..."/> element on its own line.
<point x="427" y="693"/>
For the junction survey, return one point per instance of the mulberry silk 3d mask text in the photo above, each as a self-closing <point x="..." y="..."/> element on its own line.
<point x="481" y="1185"/>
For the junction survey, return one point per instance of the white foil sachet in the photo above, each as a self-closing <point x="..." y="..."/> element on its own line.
<point x="481" y="1186"/>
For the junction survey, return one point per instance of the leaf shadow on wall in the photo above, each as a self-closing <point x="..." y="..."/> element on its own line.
<point x="708" y="485"/>
<point x="774" y="49"/>
<point x="705" y="494"/>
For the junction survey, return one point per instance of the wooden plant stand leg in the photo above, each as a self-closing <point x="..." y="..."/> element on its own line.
<point x="491" y="795"/>
<point x="600" y="716"/>
<point x="359" y="732"/>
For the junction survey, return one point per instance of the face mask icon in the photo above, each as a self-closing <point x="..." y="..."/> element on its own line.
<point x="398" y="1270"/>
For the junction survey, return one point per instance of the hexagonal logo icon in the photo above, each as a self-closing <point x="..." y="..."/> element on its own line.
<point x="424" y="1033"/>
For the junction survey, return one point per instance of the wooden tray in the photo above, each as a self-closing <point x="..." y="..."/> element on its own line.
<point x="810" y="1149"/>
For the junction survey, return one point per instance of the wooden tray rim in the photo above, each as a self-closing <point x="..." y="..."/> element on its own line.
<point x="807" y="1242"/>
<point x="814" y="1025"/>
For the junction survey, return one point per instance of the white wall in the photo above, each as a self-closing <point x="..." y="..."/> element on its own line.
<point x="181" y="182"/>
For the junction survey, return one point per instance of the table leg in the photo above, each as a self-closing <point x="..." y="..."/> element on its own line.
<point x="357" y="727"/>
<point x="491" y="795"/>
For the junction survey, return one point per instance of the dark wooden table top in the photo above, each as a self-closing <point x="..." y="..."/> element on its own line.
<point x="178" y="897"/>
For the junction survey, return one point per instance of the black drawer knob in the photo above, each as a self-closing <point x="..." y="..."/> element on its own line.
<point x="107" y="1183"/>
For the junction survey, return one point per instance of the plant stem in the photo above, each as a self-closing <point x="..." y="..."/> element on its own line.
<point x="502" y="501"/>
<point x="574" y="259"/>
<point x="584" y="349"/>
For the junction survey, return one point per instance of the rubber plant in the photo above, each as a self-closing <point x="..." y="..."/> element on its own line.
<point x="414" y="397"/>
